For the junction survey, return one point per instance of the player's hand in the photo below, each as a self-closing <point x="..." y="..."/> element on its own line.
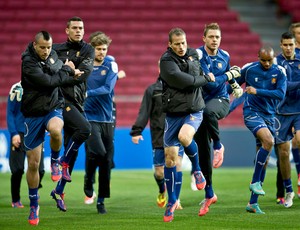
<point x="212" y="77"/>
<point x="16" y="141"/>
<point x="70" y="64"/>
<point x="237" y="90"/>
<point x="121" y="74"/>
<point x="233" y="72"/>
<point x="16" y="92"/>
<point x="78" y="73"/>
<point x="250" y="90"/>
<point x="136" y="139"/>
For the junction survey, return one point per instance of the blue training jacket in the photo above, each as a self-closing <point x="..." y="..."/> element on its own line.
<point x="217" y="65"/>
<point x="270" y="87"/>
<point x="14" y="117"/>
<point x="291" y="103"/>
<point x="98" y="105"/>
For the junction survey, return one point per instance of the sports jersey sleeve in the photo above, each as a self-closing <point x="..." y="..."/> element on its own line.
<point x="110" y="82"/>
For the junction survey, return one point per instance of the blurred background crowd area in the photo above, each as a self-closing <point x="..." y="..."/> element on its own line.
<point x="139" y="32"/>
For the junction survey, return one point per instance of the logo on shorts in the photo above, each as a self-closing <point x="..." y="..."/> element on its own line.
<point x="192" y="118"/>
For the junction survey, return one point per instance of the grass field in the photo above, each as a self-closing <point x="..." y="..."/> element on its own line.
<point x="132" y="204"/>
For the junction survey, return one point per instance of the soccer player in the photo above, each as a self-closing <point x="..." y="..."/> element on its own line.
<point x="121" y="75"/>
<point x="16" y="128"/>
<point x="265" y="88"/>
<point x="98" y="108"/>
<point x="214" y="61"/>
<point x="183" y="104"/>
<point x="41" y="105"/>
<point x="288" y="112"/>
<point x="151" y="109"/>
<point x="76" y="128"/>
<point x="295" y="30"/>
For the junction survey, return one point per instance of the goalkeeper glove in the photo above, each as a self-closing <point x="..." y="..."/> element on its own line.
<point x="237" y="90"/>
<point x="233" y="72"/>
<point x="16" y="92"/>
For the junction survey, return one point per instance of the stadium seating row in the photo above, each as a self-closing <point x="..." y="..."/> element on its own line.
<point x="139" y="30"/>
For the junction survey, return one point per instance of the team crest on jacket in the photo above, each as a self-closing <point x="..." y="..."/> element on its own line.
<point x="78" y="54"/>
<point x="192" y="118"/>
<point x="103" y="72"/>
<point x="273" y="81"/>
<point x="51" y="60"/>
<point x="220" y="65"/>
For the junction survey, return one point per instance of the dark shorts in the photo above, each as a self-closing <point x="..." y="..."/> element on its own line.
<point x="284" y="127"/>
<point x="35" y="128"/>
<point x="174" y="124"/>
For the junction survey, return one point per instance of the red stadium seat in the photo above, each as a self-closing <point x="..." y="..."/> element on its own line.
<point x="139" y="30"/>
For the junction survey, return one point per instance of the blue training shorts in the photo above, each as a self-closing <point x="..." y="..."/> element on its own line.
<point x="35" y="128"/>
<point x="174" y="124"/>
<point x="254" y="121"/>
<point x="284" y="125"/>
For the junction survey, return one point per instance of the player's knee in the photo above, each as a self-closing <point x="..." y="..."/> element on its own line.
<point x="268" y="144"/>
<point x="33" y="165"/>
<point x="184" y="139"/>
<point x="170" y="163"/>
<point x="83" y="134"/>
<point x="159" y="172"/>
<point x="56" y="134"/>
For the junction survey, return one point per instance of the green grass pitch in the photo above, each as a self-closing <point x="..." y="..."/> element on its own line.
<point x="133" y="204"/>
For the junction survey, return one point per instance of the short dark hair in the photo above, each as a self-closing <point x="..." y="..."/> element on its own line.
<point x="287" y="35"/>
<point x="266" y="49"/>
<point x="44" y="34"/>
<point x="211" y="26"/>
<point x="177" y="31"/>
<point x="73" y="19"/>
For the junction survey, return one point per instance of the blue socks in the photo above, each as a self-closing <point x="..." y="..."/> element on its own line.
<point x="178" y="184"/>
<point x="260" y="161"/>
<point x="54" y="156"/>
<point x="217" y="144"/>
<point x="209" y="192"/>
<point x="288" y="185"/>
<point x="253" y="198"/>
<point x="100" y="200"/>
<point x="33" y="197"/>
<point x="69" y="151"/>
<point x="60" y="186"/>
<point x="192" y="152"/>
<point x="170" y="178"/>
<point x="296" y="157"/>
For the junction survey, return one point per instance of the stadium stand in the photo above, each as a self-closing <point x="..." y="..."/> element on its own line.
<point x="139" y="30"/>
<point x="291" y="7"/>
